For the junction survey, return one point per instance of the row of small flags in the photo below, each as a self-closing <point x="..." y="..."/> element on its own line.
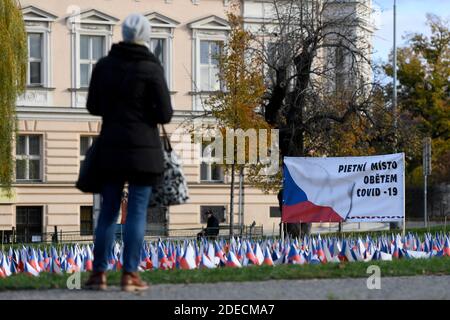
<point x="236" y="253"/>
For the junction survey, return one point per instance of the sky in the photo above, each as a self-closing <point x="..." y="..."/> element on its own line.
<point x="411" y="17"/>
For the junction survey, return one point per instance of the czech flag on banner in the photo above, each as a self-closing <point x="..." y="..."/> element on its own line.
<point x="304" y="199"/>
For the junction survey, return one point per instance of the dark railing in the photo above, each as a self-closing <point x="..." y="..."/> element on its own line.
<point x="48" y="237"/>
<point x="58" y="236"/>
<point x="222" y="232"/>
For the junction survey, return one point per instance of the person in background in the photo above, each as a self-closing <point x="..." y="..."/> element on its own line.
<point x="129" y="92"/>
<point x="212" y="225"/>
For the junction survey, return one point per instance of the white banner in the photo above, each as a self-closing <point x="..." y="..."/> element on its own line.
<point x="352" y="189"/>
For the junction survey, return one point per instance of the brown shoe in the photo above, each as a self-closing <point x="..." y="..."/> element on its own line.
<point x="97" y="281"/>
<point x="131" y="281"/>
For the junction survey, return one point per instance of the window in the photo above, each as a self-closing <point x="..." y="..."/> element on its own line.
<point x="86" y="221"/>
<point x="156" y="221"/>
<point x="208" y="36"/>
<point x="91" y="39"/>
<point x="28" y="158"/>
<point x="275" y="212"/>
<point x="158" y="48"/>
<point x="161" y="42"/>
<point x="38" y="24"/>
<point x="218" y="211"/>
<point x="85" y="143"/>
<point x="28" y="224"/>
<point x="35" y="56"/>
<point x="209" y="65"/>
<point x="210" y="171"/>
<point x="92" y="48"/>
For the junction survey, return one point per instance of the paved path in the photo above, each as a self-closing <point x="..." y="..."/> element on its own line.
<point x="420" y="287"/>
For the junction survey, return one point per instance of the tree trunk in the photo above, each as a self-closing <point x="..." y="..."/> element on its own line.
<point x="241" y="198"/>
<point x="292" y="133"/>
<point x="303" y="64"/>
<point x="233" y="168"/>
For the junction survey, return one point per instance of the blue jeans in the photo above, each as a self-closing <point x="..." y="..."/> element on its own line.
<point x="136" y="222"/>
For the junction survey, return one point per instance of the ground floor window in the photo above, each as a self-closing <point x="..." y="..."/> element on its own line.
<point x="28" y="224"/>
<point x="218" y="211"/>
<point x="86" y="221"/>
<point x="157" y="221"/>
<point x="275" y="212"/>
<point x="28" y="158"/>
<point x="209" y="170"/>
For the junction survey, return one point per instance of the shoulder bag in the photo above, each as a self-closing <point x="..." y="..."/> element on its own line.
<point x="173" y="189"/>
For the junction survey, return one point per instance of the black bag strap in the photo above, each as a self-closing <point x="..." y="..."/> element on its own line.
<point x="165" y="140"/>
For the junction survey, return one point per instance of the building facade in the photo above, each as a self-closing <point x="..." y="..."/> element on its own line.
<point x="55" y="129"/>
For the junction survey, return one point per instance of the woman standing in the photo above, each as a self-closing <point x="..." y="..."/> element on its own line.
<point x="129" y="92"/>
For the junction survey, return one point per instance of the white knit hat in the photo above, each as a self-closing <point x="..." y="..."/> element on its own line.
<point x="136" y="28"/>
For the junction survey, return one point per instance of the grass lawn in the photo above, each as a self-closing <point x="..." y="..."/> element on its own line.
<point x="435" y="266"/>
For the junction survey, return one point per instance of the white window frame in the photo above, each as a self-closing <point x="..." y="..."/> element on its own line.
<point x="211" y="28"/>
<point x="83" y="24"/>
<point x="167" y="57"/>
<point x="27" y="157"/>
<point x="76" y="54"/>
<point x="209" y="66"/>
<point x="209" y="178"/>
<point x="163" y="27"/>
<point x="209" y="166"/>
<point x="89" y="61"/>
<point x="197" y="70"/>
<point x="30" y="60"/>
<point x="40" y="21"/>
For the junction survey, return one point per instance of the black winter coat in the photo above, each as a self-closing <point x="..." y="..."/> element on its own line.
<point x="212" y="226"/>
<point x="129" y="92"/>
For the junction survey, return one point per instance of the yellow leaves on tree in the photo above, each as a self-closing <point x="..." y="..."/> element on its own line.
<point x="13" y="69"/>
